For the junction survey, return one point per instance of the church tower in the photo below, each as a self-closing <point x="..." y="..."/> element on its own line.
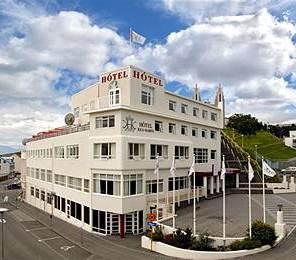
<point x="219" y="102"/>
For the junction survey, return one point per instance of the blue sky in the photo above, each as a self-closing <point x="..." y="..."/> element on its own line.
<point x="52" y="49"/>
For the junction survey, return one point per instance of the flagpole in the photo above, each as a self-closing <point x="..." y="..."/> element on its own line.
<point x="263" y="192"/>
<point x="157" y="188"/>
<point x="224" y="219"/>
<point x="194" y="202"/>
<point x="174" y="203"/>
<point x="250" y="208"/>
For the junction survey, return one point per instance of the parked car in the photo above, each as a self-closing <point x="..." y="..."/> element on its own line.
<point x="13" y="186"/>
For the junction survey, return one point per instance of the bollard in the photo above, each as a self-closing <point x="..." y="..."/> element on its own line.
<point x="285" y="183"/>
<point x="292" y="184"/>
<point x="280" y="226"/>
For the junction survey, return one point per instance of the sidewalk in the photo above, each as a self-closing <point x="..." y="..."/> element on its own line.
<point x="109" y="247"/>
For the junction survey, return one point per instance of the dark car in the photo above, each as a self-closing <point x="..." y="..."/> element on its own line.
<point x="13" y="186"/>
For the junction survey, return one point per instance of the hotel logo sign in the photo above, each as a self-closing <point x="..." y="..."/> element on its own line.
<point x="129" y="124"/>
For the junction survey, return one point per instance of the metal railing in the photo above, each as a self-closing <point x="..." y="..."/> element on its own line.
<point x="66" y="131"/>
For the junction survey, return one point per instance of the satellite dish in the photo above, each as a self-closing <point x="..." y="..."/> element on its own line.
<point x="24" y="141"/>
<point x="69" y="119"/>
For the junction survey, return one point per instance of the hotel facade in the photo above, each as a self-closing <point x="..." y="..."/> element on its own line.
<point x="98" y="173"/>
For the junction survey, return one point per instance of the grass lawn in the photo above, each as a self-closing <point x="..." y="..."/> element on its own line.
<point x="268" y="145"/>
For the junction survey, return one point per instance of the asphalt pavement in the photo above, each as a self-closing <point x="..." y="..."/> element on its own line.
<point x="29" y="234"/>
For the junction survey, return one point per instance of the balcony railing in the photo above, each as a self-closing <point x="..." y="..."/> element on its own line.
<point x="65" y="131"/>
<point x="106" y="102"/>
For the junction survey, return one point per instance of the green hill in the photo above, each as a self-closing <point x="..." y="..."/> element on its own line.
<point x="268" y="145"/>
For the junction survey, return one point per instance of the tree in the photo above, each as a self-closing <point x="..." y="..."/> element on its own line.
<point x="245" y="124"/>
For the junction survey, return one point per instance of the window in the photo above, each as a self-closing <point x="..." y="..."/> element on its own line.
<point x="194" y="132"/>
<point x="32" y="172"/>
<point x="114" y="93"/>
<point x="32" y="191"/>
<point x="158" y="149"/>
<point x="42" y="174"/>
<point x="37" y="193"/>
<point x="63" y="205"/>
<point x="204" y="133"/>
<point x="57" y="202"/>
<point x="172" y="105"/>
<point x="132" y="184"/>
<point x="43" y="195"/>
<point x="59" y="152"/>
<point x="158" y="126"/>
<point x="74" y="183"/>
<point x="180" y="183"/>
<point x="104" y="151"/>
<point x="205" y="114"/>
<point x="213" y="135"/>
<point x="213" y="116"/>
<point x="37" y="176"/>
<point x="213" y="154"/>
<point x="86" y="185"/>
<point x="48" y="198"/>
<point x="105" y="121"/>
<point x="86" y="214"/>
<point x="107" y="184"/>
<point x="181" y="152"/>
<point x="136" y="151"/>
<point x="201" y="155"/>
<point x="147" y="95"/>
<point x="49" y="176"/>
<point x="78" y="211"/>
<point x="172" y="128"/>
<point x="184" y="130"/>
<point x="195" y="112"/>
<point x="184" y="108"/>
<point x="73" y="151"/>
<point x="60" y="179"/>
<point x="151" y="186"/>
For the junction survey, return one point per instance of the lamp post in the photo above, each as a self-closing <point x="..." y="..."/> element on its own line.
<point x="2" y="210"/>
<point x="242" y="141"/>
<point x="256" y="151"/>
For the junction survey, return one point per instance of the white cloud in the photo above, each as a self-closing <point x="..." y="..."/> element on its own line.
<point x="248" y="54"/>
<point x="200" y="10"/>
<point x="32" y="60"/>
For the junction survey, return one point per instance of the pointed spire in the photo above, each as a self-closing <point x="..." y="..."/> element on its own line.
<point x="219" y="102"/>
<point x="196" y="93"/>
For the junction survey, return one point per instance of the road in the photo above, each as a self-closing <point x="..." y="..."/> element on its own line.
<point x="28" y="235"/>
<point x="20" y="244"/>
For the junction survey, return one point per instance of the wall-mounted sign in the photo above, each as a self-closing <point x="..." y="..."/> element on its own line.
<point x="146" y="77"/>
<point x="129" y="124"/>
<point x="114" y="76"/>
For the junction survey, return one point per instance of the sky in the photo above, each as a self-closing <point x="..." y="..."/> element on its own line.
<point x="52" y="49"/>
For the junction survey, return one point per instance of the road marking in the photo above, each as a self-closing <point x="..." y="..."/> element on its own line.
<point x="46" y="239"/>
<point x="2" y="219"/>
<point x="33" y="229"/>
<point x="66" y="248"/>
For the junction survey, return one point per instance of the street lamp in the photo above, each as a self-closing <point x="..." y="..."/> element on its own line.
<point x="256" y="151"/>
<point x="242" y="141"/>
<point x="2" y="210"/>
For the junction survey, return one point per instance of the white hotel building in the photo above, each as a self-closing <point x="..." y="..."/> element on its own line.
<point x="99" y="173"/>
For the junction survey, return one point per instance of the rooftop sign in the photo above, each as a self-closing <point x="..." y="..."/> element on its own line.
<point x="138" y="74"/>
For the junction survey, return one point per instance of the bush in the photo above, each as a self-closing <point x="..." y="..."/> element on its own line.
<point x="169" y="239"/>
<point x="247" y="243"/>
<point x="183" y="239"/>
<point x="263" y="233"/>
<point x="203" y="243"/>
<point x="157" y="235"/>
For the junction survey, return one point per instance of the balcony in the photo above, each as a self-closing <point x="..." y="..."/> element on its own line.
<point x="106" y="102"/>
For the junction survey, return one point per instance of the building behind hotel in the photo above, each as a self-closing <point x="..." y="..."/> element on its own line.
<point x="99" y="173"/>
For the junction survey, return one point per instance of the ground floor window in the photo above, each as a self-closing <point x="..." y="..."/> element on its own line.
<point x="86" y="214"/>
<point x="32" y="191"/>
<point x="180" y="183"/>
<point x="151" y="186"/>
<point x="43" y="195"/>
